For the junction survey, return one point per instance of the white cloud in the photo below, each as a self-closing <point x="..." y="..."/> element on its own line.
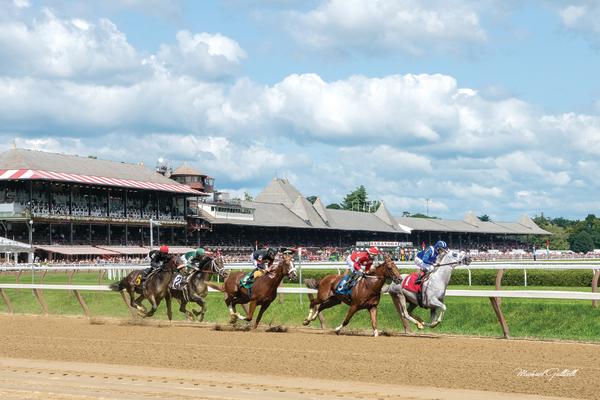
<point x="388" y="25"/>
<point x="52" y="47"/>
<point x="203" y="55"/>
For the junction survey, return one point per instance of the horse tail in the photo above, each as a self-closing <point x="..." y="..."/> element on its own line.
<point x="312" y="283"/>
<point x="219" y="287"/>
<point x="118" y="286"/>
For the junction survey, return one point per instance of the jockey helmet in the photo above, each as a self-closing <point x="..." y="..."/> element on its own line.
<point x="440" y="244"/>
<point x="200" y="252"/>
<point x="374" y="251"/>
<point x="272" y="251"/>
<point x="164" y="249"/>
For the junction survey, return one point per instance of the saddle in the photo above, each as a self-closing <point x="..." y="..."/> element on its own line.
<point x="345" y="286"/>
<point x="410" y="284"/>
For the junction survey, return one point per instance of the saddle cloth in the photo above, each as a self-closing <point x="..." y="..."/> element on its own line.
<point x="344" y="288"/>
<point x="409" y="282"/>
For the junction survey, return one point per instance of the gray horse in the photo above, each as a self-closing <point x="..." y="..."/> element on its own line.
<point x="433" y="290"/>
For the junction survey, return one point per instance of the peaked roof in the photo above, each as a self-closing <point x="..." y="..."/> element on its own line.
<point x="321" y="210"/>
<point x="279" y="191"/>
<point x="185" y="169"/>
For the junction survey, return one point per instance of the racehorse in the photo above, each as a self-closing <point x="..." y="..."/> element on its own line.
<point x="132" y="284"/>
<point x="157" y="285"/>
<point x="262" y="293"/>
<point x="433" y="291"/>
<point x="196" y="288"/>
<point x="365" y="294"/>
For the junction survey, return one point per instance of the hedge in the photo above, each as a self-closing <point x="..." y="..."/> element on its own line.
<point x="535" y="277"/>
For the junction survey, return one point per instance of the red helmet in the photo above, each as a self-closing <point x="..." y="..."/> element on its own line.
<point x="374" y="251"/>
<point x="164" y="249"/>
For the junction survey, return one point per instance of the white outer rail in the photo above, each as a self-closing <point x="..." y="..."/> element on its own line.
<point x="307" y="266"/>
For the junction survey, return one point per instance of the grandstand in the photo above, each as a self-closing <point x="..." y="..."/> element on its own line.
<point x="281" y="215"/>
<point x="72" y="205"/>
<point x="56" y="199"/>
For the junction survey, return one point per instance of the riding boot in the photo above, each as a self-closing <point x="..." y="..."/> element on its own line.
<point x="420" y="278"/>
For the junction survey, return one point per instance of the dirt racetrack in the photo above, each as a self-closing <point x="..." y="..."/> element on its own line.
<point x="73" y="358"/>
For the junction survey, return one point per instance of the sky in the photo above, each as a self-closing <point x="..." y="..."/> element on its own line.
<point x="488" y="106"/>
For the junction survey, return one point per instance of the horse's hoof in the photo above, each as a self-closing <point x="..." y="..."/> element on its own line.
<point x="375" y="333"/>
<point x="305" y="322"/>
<point x="420" y="327"/>
<point x="200" y="317"/>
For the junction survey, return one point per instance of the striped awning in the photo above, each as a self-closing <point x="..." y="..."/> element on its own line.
<point x="30" y="174"/>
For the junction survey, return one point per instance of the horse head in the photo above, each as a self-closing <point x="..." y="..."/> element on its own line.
<point x="390" y="269"/>
<point x="218" y="265"/>
<point x="288" y="267"/>
<point x="172" y="262"/>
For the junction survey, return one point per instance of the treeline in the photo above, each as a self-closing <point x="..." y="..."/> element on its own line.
<point x="579" y="236"/>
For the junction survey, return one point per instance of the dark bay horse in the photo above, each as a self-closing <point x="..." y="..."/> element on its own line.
<point x="196" y="288"/>
<point x="157" y="286"/>
<point x="262" y="294"/>
<point x="132" y="284"/>
<point x="152" y="289"/>
<point x="365" y="295"/>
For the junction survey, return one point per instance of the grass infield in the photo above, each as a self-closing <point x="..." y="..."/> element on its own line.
<point x="527" y="318"/>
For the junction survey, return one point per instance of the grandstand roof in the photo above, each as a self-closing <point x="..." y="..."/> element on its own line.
<point x="281" y="204"/>
<point x="22" y="164"/>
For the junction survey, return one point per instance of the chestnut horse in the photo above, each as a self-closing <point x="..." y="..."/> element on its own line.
<point x="365" y="294"/>
<point x="262" y="294"/>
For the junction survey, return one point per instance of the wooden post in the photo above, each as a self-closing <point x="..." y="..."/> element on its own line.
<point x="500" y="316"/>
<point x="43" y="275"/>
<point x="6" y="301"/>
<point x="18" y="276"/>
<point x="101" y="276"/>
<point x="499" y="284"/>
<point x="281" y="298"/>
<point x="82" y="303"/>
<point x="595" y="286"/>
<point x="40" y="298"/>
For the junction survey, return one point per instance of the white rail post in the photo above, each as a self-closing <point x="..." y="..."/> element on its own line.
<point x="300" y="270"/>
<point x="469" y="271"/>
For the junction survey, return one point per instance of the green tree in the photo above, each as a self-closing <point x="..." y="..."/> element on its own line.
<point x="248" y="196"/>
<point x="334" y="206"/>
<point x="356" y="200"/>
<point x="484" y="218"/>
<point x="312" y="199"/>
<point x="420" y="215"/>
<point x="581" y="242"/>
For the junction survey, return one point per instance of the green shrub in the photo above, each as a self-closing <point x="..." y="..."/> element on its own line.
<point x="514" y="277"/>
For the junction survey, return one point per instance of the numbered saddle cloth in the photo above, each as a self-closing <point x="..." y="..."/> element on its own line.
<point x="409" y="283"/>
<point x="345" y="286"/>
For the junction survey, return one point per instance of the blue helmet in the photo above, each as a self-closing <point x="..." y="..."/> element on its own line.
<point x="440" y="244"/>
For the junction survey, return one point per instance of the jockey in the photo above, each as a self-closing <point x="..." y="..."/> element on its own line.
<point x="263" y="260"/>
<point x="191" y="260"/>
<point x="426" y="259"/>
<point x="359" y="262"/>
<point x="157" y="258"/>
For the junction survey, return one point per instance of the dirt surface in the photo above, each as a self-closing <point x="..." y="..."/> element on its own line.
<point x="73" y="358"/>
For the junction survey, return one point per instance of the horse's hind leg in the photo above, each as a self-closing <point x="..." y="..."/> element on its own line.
<point x="152" y="301"/>
<point x="202" y="303"/>
<point x="351" y="311"/>
<point x="312" y="312"/>
<point x="183" y="309"/>
<point x="438" y="309"/>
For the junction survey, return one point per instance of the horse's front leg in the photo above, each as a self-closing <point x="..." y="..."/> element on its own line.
<point x="201" y="303"/>
<point x="438" y="309"/>
<point x="351" y="311"/>
<point x="251" y="309"/>
<point x="169" y="307"/>
<point x="373" y="313"/>
<point x="263" y="308"/>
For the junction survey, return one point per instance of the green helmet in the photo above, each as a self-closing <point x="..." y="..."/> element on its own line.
<point x="200" y="252"/>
